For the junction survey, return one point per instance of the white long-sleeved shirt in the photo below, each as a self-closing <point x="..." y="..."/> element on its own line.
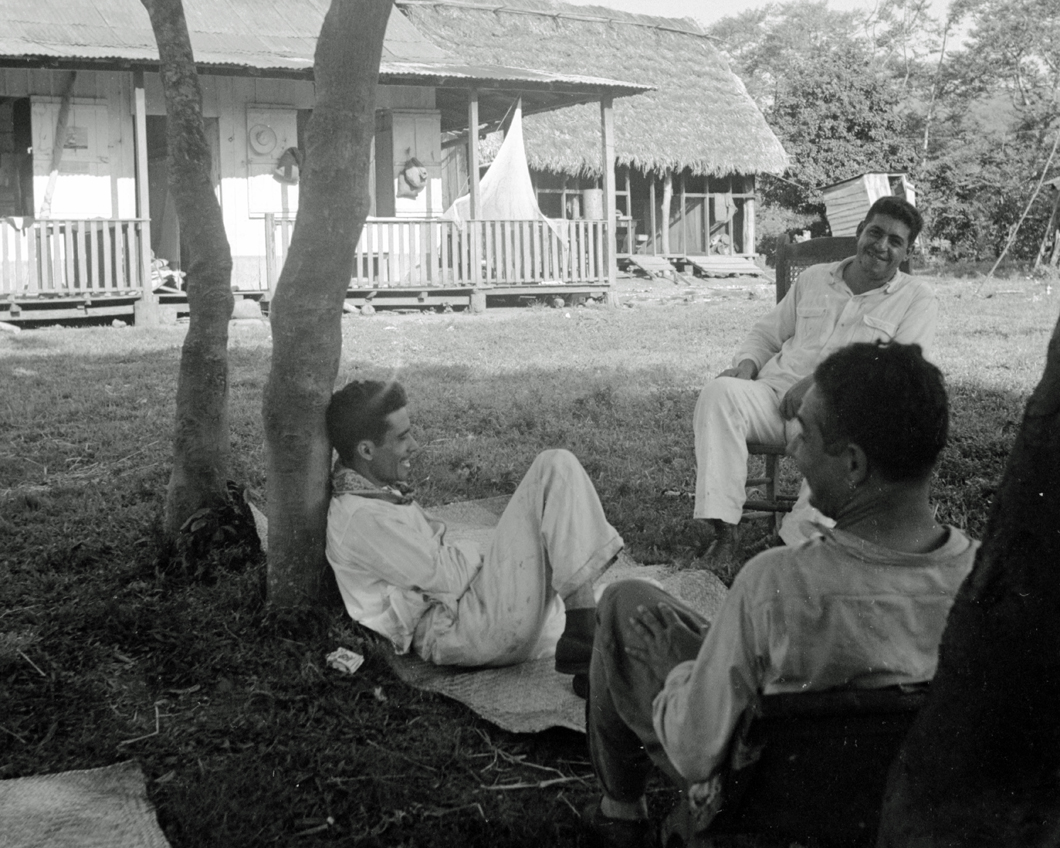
<point x="820" y="314"/>
<point x="391" y="562"/>
<point x="835" y="611"/>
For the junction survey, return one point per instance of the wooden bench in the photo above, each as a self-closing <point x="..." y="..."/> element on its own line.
<point x="805" y="766"/>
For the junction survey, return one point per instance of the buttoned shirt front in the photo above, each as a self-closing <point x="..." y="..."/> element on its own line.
<point x="820" y="314"/>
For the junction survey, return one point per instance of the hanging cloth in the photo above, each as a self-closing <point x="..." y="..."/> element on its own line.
<point x="505" y="191"/>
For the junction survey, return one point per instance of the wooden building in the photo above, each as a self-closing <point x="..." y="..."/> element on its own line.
<point x="686" y="153"/>
<point x="84" y="211"/>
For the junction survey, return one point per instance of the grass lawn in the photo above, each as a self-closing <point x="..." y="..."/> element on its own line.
<point x="246" y="738"/>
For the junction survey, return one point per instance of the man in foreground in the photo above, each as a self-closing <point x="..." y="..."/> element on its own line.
<point x="861" y="299"/>
<point x="452" y="603"/>
<point x="861" y="606"/>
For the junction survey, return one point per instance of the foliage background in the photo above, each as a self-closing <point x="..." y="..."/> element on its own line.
<point x="967" y="104"/>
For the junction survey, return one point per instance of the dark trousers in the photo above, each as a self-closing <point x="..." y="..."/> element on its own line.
<point x="622" y="740"/>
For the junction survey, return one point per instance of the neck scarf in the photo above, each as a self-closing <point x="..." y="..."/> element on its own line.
<point x="346" y="481"/>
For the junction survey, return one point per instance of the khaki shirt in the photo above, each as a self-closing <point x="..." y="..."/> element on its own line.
<point x="833" y="612"/>
<point x="820" y="314"/>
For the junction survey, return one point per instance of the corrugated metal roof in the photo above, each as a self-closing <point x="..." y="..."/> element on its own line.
<point x="253" y="34"/>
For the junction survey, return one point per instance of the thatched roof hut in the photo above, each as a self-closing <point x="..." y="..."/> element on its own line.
<point x="699" y="116"/>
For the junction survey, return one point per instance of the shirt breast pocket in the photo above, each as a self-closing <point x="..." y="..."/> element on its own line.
<point x="878" y="329"/>
<point x="810" y="324"/>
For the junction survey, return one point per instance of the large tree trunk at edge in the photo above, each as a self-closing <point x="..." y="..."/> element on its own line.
<point x="306" y="311"/>
<point x="981" y="765"/>
<point x="200" y="441"/>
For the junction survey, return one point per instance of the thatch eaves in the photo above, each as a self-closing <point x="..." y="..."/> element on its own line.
<point x="699" y="116"/>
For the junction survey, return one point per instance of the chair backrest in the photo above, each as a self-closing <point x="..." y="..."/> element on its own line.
<point x="822" y="762"/>
<point x="793" y="258"/>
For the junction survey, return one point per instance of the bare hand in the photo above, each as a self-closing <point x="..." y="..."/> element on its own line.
<point x="746" y="370"/>
<point x="661" y="640"/>
<point x="792" y="400"/>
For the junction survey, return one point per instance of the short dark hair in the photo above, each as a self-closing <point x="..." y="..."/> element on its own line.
<point x="358" y="411"/>
<point x="901" y="210"/>
<point x="890" y="401"/>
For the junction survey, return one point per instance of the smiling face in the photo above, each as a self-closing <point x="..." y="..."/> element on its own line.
<point x="389" y="461"/>
<point x="825" y="473"/>
<point x="883" y="244"/>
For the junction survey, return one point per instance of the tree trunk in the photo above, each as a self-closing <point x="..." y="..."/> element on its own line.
<point x="306" y="311"/>
<point x="1049" y="238"/>
<point x="981" y="765"/>
<point x="200" y="442"/>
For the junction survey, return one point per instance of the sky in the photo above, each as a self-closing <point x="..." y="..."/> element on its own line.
<point x="708" y="11"/>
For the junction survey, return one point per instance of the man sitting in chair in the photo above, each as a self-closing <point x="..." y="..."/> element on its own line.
<point x="863" y="298"/>
<point x="528" y="595"/>
<point x="863" y="605"/>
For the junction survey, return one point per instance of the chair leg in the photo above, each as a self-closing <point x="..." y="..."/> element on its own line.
<point x="772" y="471"/>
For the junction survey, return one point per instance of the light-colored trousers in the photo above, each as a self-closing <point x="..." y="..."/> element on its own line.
<point x="730" y="413"/>
<point x="552" y="539"/>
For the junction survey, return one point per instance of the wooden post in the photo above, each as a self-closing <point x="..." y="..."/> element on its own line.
<point x="145" y="310"/>
<point x="684" y="214"/>
<point x="668" y="199"/>
<point x="607" y="164"/>
<point x="749" y="235"/>
<point x="651" y="217"/>
<point x="473" y="185"/>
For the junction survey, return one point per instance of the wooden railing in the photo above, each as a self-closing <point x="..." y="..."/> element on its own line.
<point x="413" y="253"/>
<point x="72" y="257"/>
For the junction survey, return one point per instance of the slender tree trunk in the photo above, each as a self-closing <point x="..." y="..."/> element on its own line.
<point x="1049" y="237"/>
<point x="306" y="311"/>
<point x="1034" y="196"/>
<point x="200" y="442"/>
<point x="934" y="93"/>
<point x="981" y="765"/>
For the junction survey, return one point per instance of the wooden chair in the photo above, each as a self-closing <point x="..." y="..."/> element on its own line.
<point x="804" y="766"/>
<point x="791" y="260"/>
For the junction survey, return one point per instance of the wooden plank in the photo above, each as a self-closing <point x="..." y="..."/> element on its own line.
<point x="445" y="235"/>
<point x="70" y="281"/>
<point x="508" y="243"/>
<point x="120" y="255"/>
<point x="17" y="242"/>
<point x="592" y="255"/>
<point x="526" y="270"/>
<point x="487" y="242"/>
<point x="83" y="270"/>
<point x="433" y="231"/>
<point x="107" y="238"/>
<point x="271" y="274"/>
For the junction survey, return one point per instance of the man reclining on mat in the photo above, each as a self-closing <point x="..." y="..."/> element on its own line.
<point x="864" y="298"/>
<point x="454" y="604"/>
<point x="862" y="605"/>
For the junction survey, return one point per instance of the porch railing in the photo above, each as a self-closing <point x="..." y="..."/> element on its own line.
<point x="72" y="256"/>
<point x="403" y="252"/>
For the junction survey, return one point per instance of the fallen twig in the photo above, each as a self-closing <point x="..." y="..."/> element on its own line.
<point x="22" y="654"/>
<point x="158" y="728"/>
<point x="21" y="739"/>
<point x="403" y="756"/>
<point x="542" y="785"/>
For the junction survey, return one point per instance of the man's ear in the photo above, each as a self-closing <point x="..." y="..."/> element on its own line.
<point x="857" y="464"/>
<point x="366" y="449"/>
<point x="857" y="232"/>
